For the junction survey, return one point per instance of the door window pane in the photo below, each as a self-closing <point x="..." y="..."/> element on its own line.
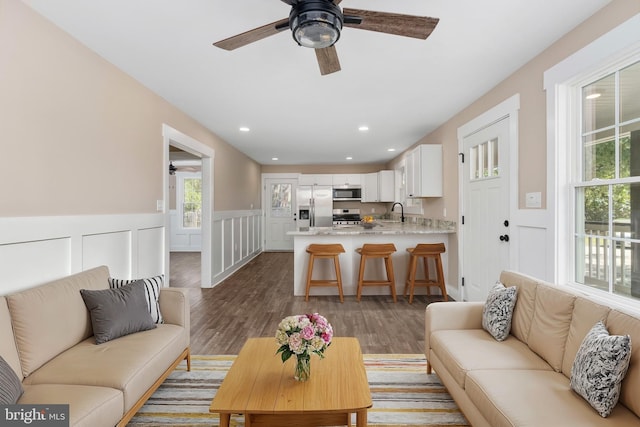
<point x="281" y="200"/>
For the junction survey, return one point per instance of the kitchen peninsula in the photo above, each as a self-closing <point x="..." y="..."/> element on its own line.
<point x="402" y="235"/>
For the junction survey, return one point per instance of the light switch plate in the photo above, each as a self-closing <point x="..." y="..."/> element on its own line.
<point x="533" y="200"/>
<point x="159" y="205"/>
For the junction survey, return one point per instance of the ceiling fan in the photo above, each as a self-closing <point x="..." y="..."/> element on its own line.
<point x="317" y="24"/>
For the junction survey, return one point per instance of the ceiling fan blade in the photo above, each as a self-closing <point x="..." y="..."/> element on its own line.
<point x="419" y="27"/>
<point x="254" y="35"/>
<point x="328" y="60"/>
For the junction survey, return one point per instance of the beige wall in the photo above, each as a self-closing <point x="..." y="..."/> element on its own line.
<point x="81" y="137"/>
<point x="528" y="82"/>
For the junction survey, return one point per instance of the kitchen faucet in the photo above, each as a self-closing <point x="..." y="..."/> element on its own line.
<point x="401" y="210"/>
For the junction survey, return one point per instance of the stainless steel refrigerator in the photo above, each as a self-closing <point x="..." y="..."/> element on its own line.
<point x="315" y="206"/>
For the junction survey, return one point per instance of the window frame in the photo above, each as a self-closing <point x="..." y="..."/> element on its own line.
<point x="180" y="179"/>
<point x="562" y="83"/>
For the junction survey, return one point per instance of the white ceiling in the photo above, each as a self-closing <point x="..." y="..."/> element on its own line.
<point x="401" y="88"/>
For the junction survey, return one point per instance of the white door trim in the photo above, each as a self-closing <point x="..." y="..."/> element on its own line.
<point x="506" y="109"/>
<point x="178" y="139"/>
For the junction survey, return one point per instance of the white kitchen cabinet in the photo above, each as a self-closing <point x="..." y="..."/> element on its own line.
<point x="378" y="186"/>
<point x="424" y="171"/>
<point x="346" y="180"/>
<point x="315" y="179"/>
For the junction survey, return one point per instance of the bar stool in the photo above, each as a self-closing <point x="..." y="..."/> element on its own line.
<point x="373" y="250"/>
<point x="425" y="251"/>
<point x="324" y="251"/>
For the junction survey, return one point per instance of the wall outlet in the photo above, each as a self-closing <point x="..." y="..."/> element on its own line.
<point x="444" y="212"/>
<point x="373" y="210"/>
<point x="159" y="205"/>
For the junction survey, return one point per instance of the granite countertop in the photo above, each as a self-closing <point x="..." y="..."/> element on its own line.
<point x="381" y="227"/>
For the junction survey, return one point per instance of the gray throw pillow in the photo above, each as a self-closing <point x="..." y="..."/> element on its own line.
<point x="10" y="385"/>
<point x="152" y="287"/>
<point x="118" y="312"/>
<point x="599" y="368"/>
<point x="498" y="311"/>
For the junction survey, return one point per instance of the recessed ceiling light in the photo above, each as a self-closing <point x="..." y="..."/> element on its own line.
<point x="274" y="158"/>
<point x="363" y="128"/>
<point x="593" y="96"/>
<point x="349" y="158"/>
<point x="391" y="149"/>
<point x="244" y="129"/>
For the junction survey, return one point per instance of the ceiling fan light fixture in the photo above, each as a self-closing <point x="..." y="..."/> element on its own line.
<point x="316" y="23"/>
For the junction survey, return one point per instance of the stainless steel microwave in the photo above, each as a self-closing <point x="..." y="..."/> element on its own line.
<point x="350" y="193"/>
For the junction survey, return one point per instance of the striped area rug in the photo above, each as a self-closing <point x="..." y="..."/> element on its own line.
<point x="403" y="394"/>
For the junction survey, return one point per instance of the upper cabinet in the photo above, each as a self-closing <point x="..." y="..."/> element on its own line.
<point x="346" y="180"/>
<point x="378" y="186"/>
<point x="424" y="171"/>
<point x="318" y="179"/>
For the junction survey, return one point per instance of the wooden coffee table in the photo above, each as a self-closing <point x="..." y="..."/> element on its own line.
<point x="262" y="388"/>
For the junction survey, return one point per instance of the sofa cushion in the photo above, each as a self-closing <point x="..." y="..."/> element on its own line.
<point x="599" y="368"/>
<point x="523" y="310"/>
<point x="462" y="351"/>
<point x="152" y="286"/>
<point x="498" y="310"/>
<point x="550" y="324"/>
<point x="10" y="384"/>
<point x="8" y="349"/>
<point x="621" y="323"/>
<point x="118" y="312"/>
<point x="131" y="363"/>
<point x="536" y="398"/>
<point x="50" y="319"/>
<point x="585" y="314"/>
<point x="88" y="406"/>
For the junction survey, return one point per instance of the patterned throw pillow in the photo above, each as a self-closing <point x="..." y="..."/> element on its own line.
<point x="10" y="384"/>
<point x="599" y="368"/>
<point x="498" y="311"/>
<point x="152" y="287"/>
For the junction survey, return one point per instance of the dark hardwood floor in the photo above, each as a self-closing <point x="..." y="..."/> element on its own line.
<point x="252" y="302"/>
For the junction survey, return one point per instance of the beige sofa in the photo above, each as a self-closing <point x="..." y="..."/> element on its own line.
<point x="46" y="337"/>
<point x="524" y="380"/>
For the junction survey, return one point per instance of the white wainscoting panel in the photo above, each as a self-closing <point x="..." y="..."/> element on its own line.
<point x="533" y="251"/>
<point x="35" y="250"/>
<point x="25" y="264"/>
<point x="236" y="240"/>
<point x="150" y="252"/>
<point x="110" y="249"/>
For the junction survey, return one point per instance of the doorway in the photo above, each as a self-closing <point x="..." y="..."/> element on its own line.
<point x="488" y="197"/>
<point x="204" y="155"/>
<point x="280" y="207"/>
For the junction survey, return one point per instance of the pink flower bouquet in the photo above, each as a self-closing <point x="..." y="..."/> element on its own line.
<point x="303" y="335"/>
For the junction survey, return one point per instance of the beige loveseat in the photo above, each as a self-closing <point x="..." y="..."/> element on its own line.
<point x="524" y="380"/>
<point x="46" y="337"/>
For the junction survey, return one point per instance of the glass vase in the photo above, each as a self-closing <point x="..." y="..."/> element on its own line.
<point x="303" y="367"/>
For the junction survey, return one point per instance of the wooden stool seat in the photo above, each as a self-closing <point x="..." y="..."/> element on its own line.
<point x="373" y="250"/>
<point x="333" y="251"/>
<point x="426" y="251"/>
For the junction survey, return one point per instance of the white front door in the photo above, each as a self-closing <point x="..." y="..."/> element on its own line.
<point x="485" y="199"/>
<point x="280" y="213"/>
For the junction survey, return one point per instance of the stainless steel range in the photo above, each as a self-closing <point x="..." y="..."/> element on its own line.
<point x="346" y="217"/>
